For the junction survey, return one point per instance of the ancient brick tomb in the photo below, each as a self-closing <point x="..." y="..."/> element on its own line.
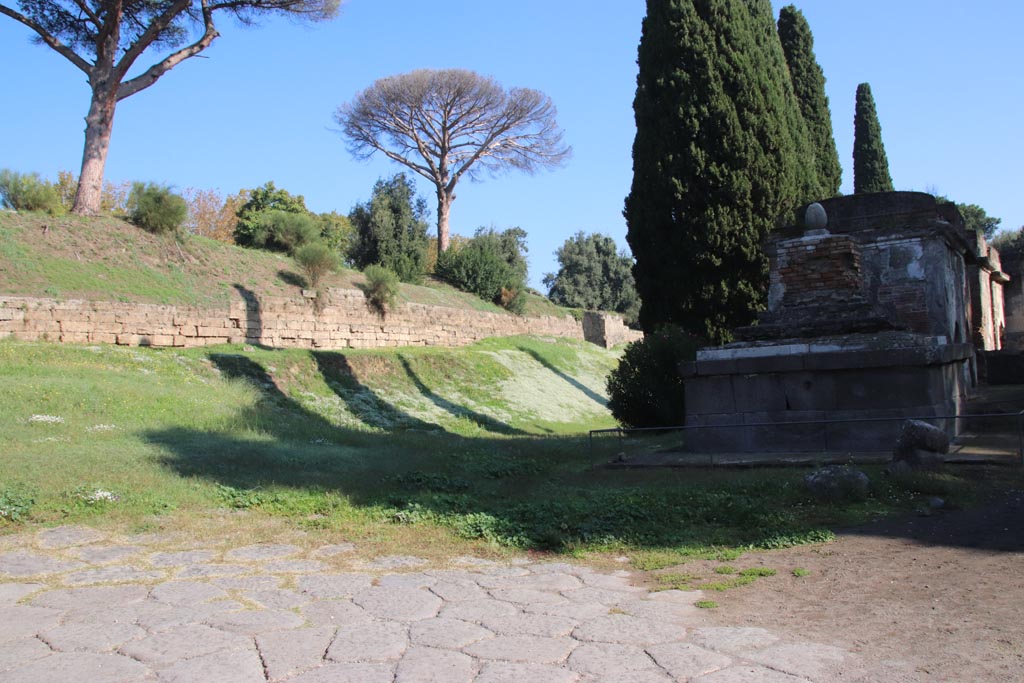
<point x="874" y="301"/>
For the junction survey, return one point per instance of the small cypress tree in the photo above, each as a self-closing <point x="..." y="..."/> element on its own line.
<point x="809" y="86"/>
<point x="870" y="165"/>
<point x="391" y="229"/>
<point x="720" y="153"/>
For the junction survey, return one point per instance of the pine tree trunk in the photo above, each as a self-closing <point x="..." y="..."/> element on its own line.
<point x="444" y="206"/>
<point x="98" y="125"/>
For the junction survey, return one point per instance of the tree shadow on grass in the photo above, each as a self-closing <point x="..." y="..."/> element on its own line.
<point x="485" y="421"/>
<point x="290" y="278"/>
<point x="362" y="401"/>
<point x="534" y="492"/>
<point x="583" y="388"/>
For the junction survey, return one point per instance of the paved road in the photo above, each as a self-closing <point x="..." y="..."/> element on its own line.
<point x="80" y="605"/>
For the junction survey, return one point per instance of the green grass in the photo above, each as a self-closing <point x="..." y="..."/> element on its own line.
<point x="477" y="449"/>
<point x="72" y="257"/>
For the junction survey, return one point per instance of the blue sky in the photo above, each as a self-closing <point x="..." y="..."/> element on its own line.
<point x="947" y="77"/>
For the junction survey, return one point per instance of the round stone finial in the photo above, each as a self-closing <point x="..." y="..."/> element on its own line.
<point x="815" y="217"/>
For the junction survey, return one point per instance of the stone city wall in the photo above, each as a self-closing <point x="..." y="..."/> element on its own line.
<point x="343" y="322"/>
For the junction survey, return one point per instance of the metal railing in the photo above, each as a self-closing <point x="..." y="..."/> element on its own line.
<point x="623" y="431"/>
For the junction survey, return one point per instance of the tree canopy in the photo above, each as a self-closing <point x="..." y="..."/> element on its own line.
<point x="870" y="164"/>
<point x="594" y="275"/>
<point x="453" y="123"/>
<point x="260" y="201"/>
<point x="720" y="154"/>
<point x="976" y="218"/>
<point x="391" y="230"/>
<point x="105" y="39"/>
<point x="809" y="86"/>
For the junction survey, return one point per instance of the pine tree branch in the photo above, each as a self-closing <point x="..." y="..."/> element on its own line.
<point x="49" y="39"/>
<point x="153" y="73"/>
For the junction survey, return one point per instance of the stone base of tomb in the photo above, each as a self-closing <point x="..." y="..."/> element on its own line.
<point x="827" y="394"/>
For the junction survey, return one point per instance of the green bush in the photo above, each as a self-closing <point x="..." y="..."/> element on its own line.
<point x="156" y="209"/>
<point x="29" y="192"/>
<point x="646" y="389"/>
<point x="381" y="288"/>
<point x="260" y="201"/>
<point x="491" y="266"/>
<point x="316" y="260"/>
<point x="390" y="230"/>
<point x="285" y="230"/>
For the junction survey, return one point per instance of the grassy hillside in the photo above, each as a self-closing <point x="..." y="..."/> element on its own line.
<point x="109" y="259"/>
<point x="432" y="452"/>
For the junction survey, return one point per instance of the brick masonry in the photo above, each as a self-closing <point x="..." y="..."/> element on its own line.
<point x="344" y="322"/>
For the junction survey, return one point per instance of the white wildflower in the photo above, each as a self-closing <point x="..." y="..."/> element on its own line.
<point x="101" y="428"/>
<point x="47" y="419"/>
<point x="99" y="496"/>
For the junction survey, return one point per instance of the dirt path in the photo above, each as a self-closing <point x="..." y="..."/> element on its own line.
<point x="945" y="592"/>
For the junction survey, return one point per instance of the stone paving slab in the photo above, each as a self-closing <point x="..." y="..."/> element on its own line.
<point x="277" y="613"/>
<point x="252" y="622"/>
<point x="611" y="660"/>
<point x="401" y="604"/>
<point x="16" y="653"/>
<point x="78" y="666"/>
<point x="67" y="536"/>
<point x="428" y="665"/>
<point x="450" y="634"/>
<point x="112" y="575"/>
<point x="25" y="563"/>
<point x="182" y="642"/>
<point x="287" y="653"/>
<point x="646" y="676"/>
<point x="12" y="593"/>
<point x="88" y="638"/>
<point x="104" y="554"/>
<point x="334" y="613"/>
<point x="623" y="628"/>
<point x="256" y="553"/>
<point x="21" y="621"/>
<point x="685" y="661"/>
<point x="236" y="666"/>
<point x="349" y="673"/>
<point x="518" y="672"/>
<point x="381" y="641"/>
<point x="748" y="674"/>
<point x="524" y="624"/>
<point x="523" y="649"/>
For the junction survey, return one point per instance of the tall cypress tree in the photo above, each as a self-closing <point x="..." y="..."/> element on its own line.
<point x="809" y="86"/>
<point x="870" y="165"/>
<point x="720" y="153"/>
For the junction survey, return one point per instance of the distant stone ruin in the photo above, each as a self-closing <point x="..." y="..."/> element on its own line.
<point x="875" y="305"/>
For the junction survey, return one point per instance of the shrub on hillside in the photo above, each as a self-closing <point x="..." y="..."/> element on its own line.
<point x="316" y="260"/>
<point x="490" y="265"/>
<point x="646" y="389"/>
<point x="29" y="192"/>
<point x="381" y="288"/>
<point x="259" y="201"/>
<point x="285" y="230"/>
<point x="156" y="209"/>
<point x="390" y="230"/>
